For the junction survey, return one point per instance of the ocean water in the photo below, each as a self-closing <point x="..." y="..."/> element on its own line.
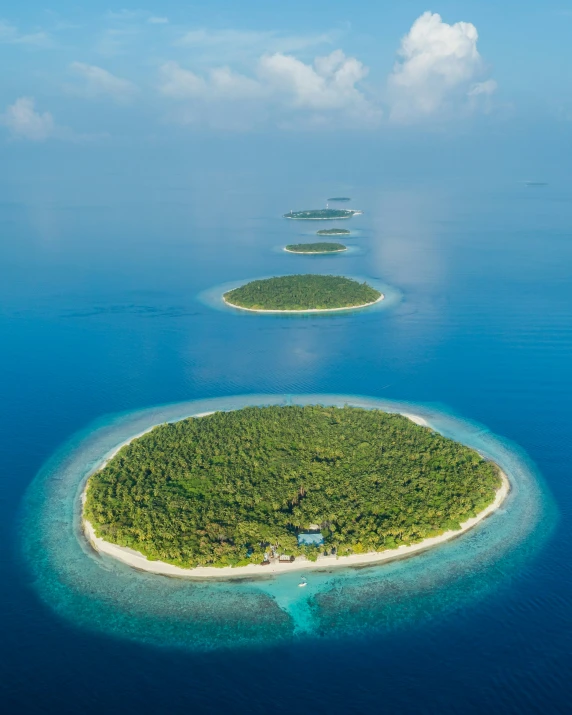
<point x="110" y="323"/>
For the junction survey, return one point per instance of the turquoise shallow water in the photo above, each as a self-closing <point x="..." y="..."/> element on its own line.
<point x="213" y="296"/>
<point x="96" y="592"/>
<point x="102" y="315"/>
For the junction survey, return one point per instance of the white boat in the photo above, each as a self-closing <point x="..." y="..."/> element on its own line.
<point x="302" y="583"/>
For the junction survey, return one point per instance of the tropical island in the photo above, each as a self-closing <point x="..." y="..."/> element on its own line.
<point x="281" y="483"/>
<point x="302" y="293"/>
<point x="322" y="214"/>
<point x="333" y="232"/>
<point x="339" y="198"/>
<point x="322" y="247"/>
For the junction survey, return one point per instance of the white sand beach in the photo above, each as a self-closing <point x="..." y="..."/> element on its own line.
<point x="310" y="310"/>
<point x="315" y="253"/>
<point x="138" y="561"/>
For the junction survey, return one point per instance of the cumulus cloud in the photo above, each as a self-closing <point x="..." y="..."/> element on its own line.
<point x="219" y="84"/>
<point x="438" y="68"/>
<point x="24" y="122"/>
<point x="180" y="83"/>
<point x="97" y="82"/>
<point x="328" y="84"/>
<point x="324" y="89"/>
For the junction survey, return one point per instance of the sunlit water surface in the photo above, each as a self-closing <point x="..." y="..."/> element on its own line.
<point x="105" y="313"/>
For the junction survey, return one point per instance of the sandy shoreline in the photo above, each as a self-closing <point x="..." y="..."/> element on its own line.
<point x="354" y="212"/>
<point x="136" y="560"/>
<point x="309" y="310"/>
<point x="314" y="253"/>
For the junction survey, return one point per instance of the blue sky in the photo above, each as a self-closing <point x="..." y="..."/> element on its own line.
<point x="84" y="74"/>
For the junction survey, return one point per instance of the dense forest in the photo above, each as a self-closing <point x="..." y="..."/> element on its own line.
<point x="217" y="490"/>
<point x="316" y="247"/>
<point x="302" y="292"/>
<point x="333" y="232"/>
<point x="321" y="214"/>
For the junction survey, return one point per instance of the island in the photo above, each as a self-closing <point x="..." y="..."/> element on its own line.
<point x="322" y="214"/>
<point x="284" y="487"/>
<point x="333" y="232"/>
<point x="316" y="248"/>
<point x="302" y="293"/>
<point x="339" y="198"/>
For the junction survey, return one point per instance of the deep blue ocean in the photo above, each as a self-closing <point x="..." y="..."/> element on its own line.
<point x="108" y="323"/>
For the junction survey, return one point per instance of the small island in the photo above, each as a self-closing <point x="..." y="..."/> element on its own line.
<point x="267" y="486"/>
<point x="333" y="232"/>
<point x="321" y="214"/>
<point x="302" y="293"/>
<point x="316" y="248"/>
<point x="339" y="198"/>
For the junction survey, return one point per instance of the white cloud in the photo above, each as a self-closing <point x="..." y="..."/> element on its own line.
<point x="328" y="84"/>
<point x="232" y="85"/>
<point x="220" y="84"/>
<point x="158" y="20"/>
<point x="10" y="35"/>
<point x="439" y="66"/>
<point x="180" y="83"/>
<point x="323" y="90"/>
<point x="24" y="122"/>
<point x="97" y="82"/>
<point x="227" y="46"/>
<point x="487" y="87"/>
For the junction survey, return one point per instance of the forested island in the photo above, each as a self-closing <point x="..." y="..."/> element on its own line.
<point x="302" y="292"/>
<point x="316" y="247"/>
<point x="339" y="198"/>
<point x="333" y="232"/>
<point x="228" y="488"/>
<point x="322" y="214"/>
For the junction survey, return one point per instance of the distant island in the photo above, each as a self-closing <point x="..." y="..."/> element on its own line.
<point x="316" y="248"/>
<point x="333" y="232"/>
<point x="322" y="214"/>
<point x="268" y="485"/>
<point x="306" y="292"/>
<point x="340" y="198"/>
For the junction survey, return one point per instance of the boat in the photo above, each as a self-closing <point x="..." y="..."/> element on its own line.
<point x="302" y="583"/>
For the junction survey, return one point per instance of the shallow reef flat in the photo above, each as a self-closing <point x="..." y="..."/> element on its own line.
<point x="98" y="593"/>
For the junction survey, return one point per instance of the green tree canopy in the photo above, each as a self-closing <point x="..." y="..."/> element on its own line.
<point x="320" y="247"/>
<point x="302" y="292"/>
<point x="333" y="232"/>
<point x="321" y="214"/>
<point x="218" y="490"/>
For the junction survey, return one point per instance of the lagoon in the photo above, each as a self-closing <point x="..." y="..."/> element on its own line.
<point x="111" y="333"/>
